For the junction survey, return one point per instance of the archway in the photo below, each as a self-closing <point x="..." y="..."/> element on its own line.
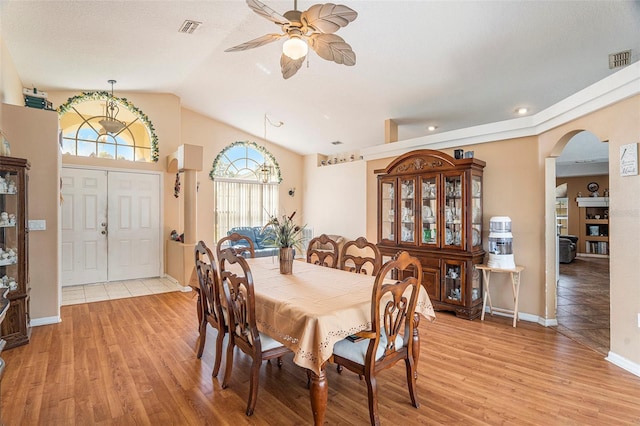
<point x="580" y="161"/>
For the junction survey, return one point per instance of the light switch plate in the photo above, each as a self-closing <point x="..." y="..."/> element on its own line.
<point x="37" y="225"/>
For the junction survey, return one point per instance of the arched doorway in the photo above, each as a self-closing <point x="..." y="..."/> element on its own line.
<point x="580" y="296"/>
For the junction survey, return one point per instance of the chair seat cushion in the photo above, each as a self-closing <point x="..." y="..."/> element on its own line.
<point x="265" y="340"/>
<point x="356" y="351"/>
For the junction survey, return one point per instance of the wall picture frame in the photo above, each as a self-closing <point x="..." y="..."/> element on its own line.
<point x="629" y="159"/>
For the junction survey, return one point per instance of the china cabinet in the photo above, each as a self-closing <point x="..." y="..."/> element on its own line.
<point x="430" y="205"/>
<point x="14" y="269"/>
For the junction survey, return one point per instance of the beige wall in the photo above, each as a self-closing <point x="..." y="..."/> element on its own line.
<point x="214" y="137"/>
<point x="579" y="184"/>
<point x="164" y="112"/>
<point x="619" y="124"/>
<point x="33" y="135"/>
<point x="174" y="126"/>
<point x="335" y="198"/>
<point x="10" y="84"/>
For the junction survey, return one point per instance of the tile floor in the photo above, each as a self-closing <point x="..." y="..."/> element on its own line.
<point x="116" y="290"/>
<point x="583" y="302"/>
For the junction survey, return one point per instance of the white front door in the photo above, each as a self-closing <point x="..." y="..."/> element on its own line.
<point x="134" y="223"/>
<point x="84" y="221"/>
<point x="110" y="226"/>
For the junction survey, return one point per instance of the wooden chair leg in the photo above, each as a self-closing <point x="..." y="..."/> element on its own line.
<point x="202" y="339"/>
<point x="253" y="386"/>
<point x="411" y="381"/>
<point x="372" y="394"/>
<point x="229" y="364"/>
<point x="218" y="359"/>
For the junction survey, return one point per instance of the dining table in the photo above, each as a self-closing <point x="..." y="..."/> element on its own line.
<point x="311" y="309"/>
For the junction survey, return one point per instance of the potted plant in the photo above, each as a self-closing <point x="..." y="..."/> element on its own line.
<point x="284" y="233"/>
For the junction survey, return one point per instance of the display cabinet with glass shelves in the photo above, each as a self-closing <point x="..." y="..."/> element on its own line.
<point x="430" y="205"/>
<point x="14" y="278"/>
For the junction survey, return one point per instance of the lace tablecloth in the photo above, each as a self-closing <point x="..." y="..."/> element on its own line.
<point x="314" y="307"/>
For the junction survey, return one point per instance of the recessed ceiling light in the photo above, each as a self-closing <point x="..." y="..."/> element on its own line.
<point x="432" y="128"/>
<point x="522" y="110"/>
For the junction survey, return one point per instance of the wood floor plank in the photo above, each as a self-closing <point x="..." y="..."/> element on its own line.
<point x="132" y="361"/>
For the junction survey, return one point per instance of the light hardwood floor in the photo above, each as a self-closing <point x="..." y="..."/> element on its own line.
<point x="132" y="361"/>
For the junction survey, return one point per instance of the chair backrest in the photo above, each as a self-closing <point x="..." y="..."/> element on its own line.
<point x="239" y="244"/>
<point x="209" y="284"/>
<point x="393" y="309"/>
<point x="323" y="257"/>
<point x="237" y="284"/>
<point x="361" y="256"/>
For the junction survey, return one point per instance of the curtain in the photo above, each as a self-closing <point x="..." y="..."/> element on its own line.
<point x="242" y="203"/>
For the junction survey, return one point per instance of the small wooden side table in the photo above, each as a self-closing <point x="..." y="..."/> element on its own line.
<point x="515" y="286"/>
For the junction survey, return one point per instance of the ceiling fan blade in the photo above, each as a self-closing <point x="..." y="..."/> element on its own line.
<point x="328" y="18"/>
<point x="256" y="42"/>
<point x="332" y="48"/>
<point x="290" y="66"/>
<point x="266" y="12"/>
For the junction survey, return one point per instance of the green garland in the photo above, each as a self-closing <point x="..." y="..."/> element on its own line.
<point x="218" y="160"/>
<point x="105" y="96"/>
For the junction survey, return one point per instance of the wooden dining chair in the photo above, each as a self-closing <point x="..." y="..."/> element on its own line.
<point x="239" y="244"/>
<point x="321" y="256"/>
<point x="361" y="256"/>
<point x="211" y="310"/>
<point x="391" y="337"/>
<point x="237" y="283"/>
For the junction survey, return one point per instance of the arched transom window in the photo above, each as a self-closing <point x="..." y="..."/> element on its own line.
<point x="84" y="135"/>
<point x="246" y="160"/>
<point x="246" y="178"/>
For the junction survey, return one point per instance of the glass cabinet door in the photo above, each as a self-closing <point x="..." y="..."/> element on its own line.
<point x="476" y="211"/>
<point x="387" y="210"/>
<point x="429" y="211"/>
<point x="9" y="219"/>
<point x="476" y="284"/>
<point x="407" y="210"/>
<point x="453" y="272"/>
<point x="453" y="212"/>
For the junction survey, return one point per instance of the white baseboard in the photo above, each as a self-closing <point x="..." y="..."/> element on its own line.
<point x="184" y="289"/>
<point x="547" y="322"/>
<point x="35" y="322"/>
<point x="624" y="363"/>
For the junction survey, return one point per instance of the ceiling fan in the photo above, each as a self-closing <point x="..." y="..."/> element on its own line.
<point x="313" y="27"/>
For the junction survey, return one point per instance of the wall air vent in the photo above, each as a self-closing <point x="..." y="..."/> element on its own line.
<point x="189" y="26"/>
<point x="620" y="59"/>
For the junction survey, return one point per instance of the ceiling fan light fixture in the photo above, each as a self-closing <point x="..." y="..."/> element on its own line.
<point x="295" y="48"/>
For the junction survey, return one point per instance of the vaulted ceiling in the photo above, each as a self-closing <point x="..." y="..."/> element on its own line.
<point x="450" y="64"/>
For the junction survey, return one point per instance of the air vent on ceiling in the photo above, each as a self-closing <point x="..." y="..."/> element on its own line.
<point x="336" y="143"/>
<point x="620" y="59"/>
<point x="189" y="26"/>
